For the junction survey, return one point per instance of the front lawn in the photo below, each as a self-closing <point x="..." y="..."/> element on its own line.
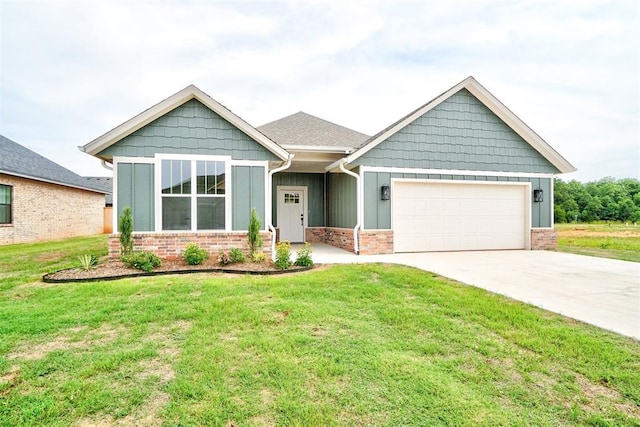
<point x="340" y="345"/>
<point x="605" y="240"/>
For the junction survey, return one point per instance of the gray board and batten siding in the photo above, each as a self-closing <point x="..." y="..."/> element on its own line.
<point x="377" y="213"/>
<point x="136" y="190"/>
<point x="460" y="133"/>
<point x="191" y="128"/>
<point x="341" y="200"/>
<point x="248" y="191"/>
<point x="315" y="194"/>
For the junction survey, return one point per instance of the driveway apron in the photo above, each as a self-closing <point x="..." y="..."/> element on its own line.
<point x="599" y="291"/>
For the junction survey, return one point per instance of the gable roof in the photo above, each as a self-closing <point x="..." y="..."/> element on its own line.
<point x="304" y="131"/>
<point x="17" y="160"/>
<point x="190" y="92"/>
<point x="486" y="98"/>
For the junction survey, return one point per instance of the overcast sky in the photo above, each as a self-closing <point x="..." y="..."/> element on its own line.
<point x="73" y="70"/>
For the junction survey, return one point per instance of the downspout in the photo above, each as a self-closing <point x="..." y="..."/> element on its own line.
<point x="287" y="165"/>
<point x="356" y="246"/>
<point x="106" y="166"/>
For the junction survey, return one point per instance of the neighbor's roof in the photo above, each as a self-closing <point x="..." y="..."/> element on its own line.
<point x="105" y="183"/>
<point x="188" y="93"/>
<point x="302" y="130"/>
<point x="18" y="160"/>
<point x="491" y="102"/>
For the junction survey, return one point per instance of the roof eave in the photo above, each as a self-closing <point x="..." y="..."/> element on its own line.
<point x="490" y="102"/>
<point x="190" y="92"/>
<point x="50" y="181"/>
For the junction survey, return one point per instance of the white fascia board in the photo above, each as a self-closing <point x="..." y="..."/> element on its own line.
<point x="406" y="121"/>
<point x="520" y="127"/>
<point x="174" y="101"/>
<point x="318" y="148"/>
<point x="491" y="102"/>
<point x="454" y="172"/>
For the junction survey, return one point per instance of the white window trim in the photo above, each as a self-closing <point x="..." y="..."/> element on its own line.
<point x="193" y="158"/>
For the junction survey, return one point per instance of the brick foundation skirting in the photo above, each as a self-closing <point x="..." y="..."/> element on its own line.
<point x="339" y="237"/>
<point x="544" y="239"/>
<point x="375" y="242"/>
<point x="171" y="245"/>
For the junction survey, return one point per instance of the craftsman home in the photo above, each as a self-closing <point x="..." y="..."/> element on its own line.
<point x="462" y="172"/>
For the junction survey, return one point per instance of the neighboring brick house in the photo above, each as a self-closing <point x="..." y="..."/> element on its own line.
<point x="461" y="172"/>
<point x="41" y="200"/>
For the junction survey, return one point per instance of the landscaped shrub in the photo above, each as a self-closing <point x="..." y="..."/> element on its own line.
<point x="259" y="257"/>
<point x="253" y="234"/>
<point x="125" y="227"/>
<point x="303" y="258"/>
<point x="194" y="254"/>
<point x="87" y="262"/>
<point x="231" y="256"/>
<point x="145" y="261"/>
<point x="283" y="255"/>
<point x="236" y="255"/>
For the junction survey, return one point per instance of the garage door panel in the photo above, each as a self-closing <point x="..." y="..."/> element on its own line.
<point x="454" y="216"/>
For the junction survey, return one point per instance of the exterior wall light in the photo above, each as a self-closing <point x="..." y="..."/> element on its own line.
<point x="538" y="195"/>
<point x="385" y="192"/>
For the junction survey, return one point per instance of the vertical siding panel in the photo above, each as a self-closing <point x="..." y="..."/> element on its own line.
<point x="241" y="176"/>
<point x="371" y="184"/>
<point x="535" y="207"/>
<point x="257" y="194"/>
<point x="143" y="193"/>
<point x="125" y="187"/>
<point x="315" y="194"/>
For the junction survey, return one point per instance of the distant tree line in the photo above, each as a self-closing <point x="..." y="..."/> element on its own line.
<point x="607" y="199"/>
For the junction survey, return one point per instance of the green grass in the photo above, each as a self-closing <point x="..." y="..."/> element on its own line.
<point x="343" y="345"/>
<point x="614" y="240"/>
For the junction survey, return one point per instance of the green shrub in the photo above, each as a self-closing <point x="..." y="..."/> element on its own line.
<point x="253" y="234"/>
<point x="145" y="261"/>
<point x="194" y="255"/>
<point x="87" y="262"/>
<point x="259" y="257"/>
<point x="283" y="255"/>
<point x="303" y="258"/>
<point x="236" y="255"/>
<point x="125" y="227"/>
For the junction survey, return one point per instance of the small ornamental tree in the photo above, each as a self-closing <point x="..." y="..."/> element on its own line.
<point x="125" y="227"/>
<point x="255" y="241"/>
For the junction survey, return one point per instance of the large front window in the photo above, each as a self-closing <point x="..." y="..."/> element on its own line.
<point x="5" y="204"/>
<point x="193" y="204"/>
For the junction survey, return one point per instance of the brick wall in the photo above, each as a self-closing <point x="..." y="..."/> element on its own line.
<point x="314" y="234"/>
<point x="375" y="242"/>
<point x="339" y="237"/>
<point x="544" y="239"/>
<point x="171" y="245"/>
<point x="43" y="211"/>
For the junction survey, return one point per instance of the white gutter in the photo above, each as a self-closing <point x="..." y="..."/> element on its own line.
<point x="106" y="166"/>
<point x="287" y="165"/>
<point x="356" y="246"/>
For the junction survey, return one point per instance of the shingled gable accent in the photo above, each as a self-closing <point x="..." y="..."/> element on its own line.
<point x="169" y="104"/>
<point x="491" y="102"/>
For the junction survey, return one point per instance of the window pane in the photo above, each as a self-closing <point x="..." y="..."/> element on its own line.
<point x="5" y="204"/>
<point x="176" y="177"/>
<point x="5" y="214"/>
<point x="176" y="213"/>
<point x="210" y="177"/>
<point x="211" y="213"/>
<point x="5" y="194"/>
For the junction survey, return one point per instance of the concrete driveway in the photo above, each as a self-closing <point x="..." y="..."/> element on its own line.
<point x="599" y="291"/>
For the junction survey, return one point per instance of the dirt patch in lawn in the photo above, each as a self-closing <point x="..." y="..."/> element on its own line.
<point x="600" y="395"/>
<point x="585" y="232"/>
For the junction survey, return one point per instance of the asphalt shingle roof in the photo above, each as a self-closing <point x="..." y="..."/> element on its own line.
<point x="18" y="160"/>
<point x="304" y="129"/>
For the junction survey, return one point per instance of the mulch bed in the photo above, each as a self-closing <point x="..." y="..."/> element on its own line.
<point x="114" y="270"/>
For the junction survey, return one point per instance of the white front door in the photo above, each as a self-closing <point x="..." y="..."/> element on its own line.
<point x="291" y="213"/>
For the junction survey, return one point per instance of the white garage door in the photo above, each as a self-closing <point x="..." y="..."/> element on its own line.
<point x="431" y="216"/>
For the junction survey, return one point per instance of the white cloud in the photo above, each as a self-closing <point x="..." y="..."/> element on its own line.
<point x="73" y="70"/>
